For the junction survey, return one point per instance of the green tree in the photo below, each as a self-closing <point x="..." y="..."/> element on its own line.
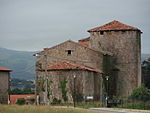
<point x="21" y="91"/>
<point x="141" y="93"/>
<point x="16" y="91"/>
<point x="146" y="73"/>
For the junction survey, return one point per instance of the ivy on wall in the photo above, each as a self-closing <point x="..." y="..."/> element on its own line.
<point x="49" y="84"/>
<point x="106" y="64"/>
<point x="64" y="89"/>
<point x="106" y="70"/>
<point x="41" y="84"/>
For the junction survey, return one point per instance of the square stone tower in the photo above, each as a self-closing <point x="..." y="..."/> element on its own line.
<point x="124" y="42"/>
<point x="4" y="85"/>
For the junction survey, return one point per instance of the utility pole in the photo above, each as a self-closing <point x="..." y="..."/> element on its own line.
<point x="46" y="80"/>
<point x="36" y="83"/>
<point x="74" y="102"/>
<point x="107" y="90"/>
<point x="101" y="89"/>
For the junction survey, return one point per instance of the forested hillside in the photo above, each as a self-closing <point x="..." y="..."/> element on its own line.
<point x="22" y="63"/>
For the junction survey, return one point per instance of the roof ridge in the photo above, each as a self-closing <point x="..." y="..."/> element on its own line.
<point x="65" y="42"/>
<point x="105" y="52"/>
<point x="52" y="47"/>
<point x="113" y="25"/>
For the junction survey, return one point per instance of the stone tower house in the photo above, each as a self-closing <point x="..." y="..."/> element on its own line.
<point x="112" y="53"/>
<point x="125" y="43"/>
<point x="4" y="85"/>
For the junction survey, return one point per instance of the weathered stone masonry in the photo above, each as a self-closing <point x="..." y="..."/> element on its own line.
<point x="118" y="42"/>
<point x="85" y="79"/>
<point x="4" y="85"/>
<point x="125" y="46"/>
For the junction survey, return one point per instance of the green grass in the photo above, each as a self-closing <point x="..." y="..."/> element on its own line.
<point x="40" y="109"/>
<point x="81" y="105"/>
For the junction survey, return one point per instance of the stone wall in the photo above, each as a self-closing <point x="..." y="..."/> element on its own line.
<point x="80" y="55"/>
<point x="4" y="87"/>
<point x="86" y="84"/>
<point x="126" y="49"/>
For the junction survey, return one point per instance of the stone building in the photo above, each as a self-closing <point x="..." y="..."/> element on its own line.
<point x="106" y="63"/>
<point x="4" y="85"/>
<point x="125" y="43"/>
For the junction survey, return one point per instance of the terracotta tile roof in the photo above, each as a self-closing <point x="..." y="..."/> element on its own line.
<point x="148" y="58"/>
<point x="45" y="49"/>
<point x="80" y="44"/>
<point x="4" y="69"/>
<point x="86" y="44"/>
<point x="13" y="98"/>
<point x="113" y="26"/>
<point x="83" y="45"/>
<point x="69" y="65"/>
<point x="84" y="41"/>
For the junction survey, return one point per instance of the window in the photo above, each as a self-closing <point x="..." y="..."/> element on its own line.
<point x="69" y="52"/>
<point x="101" y="32"/>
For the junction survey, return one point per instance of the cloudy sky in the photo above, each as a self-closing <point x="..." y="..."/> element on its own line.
<point x="31" y="25"/>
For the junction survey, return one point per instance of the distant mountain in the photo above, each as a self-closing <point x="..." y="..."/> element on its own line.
<point x="21" y="62"/>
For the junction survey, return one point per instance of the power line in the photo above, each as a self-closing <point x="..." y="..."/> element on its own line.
<point x="25" y="70"/>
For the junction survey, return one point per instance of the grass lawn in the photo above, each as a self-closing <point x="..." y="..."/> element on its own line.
<point x="40" y="109"/>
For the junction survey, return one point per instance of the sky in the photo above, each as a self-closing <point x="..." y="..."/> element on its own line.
<point x="31" y="25"/>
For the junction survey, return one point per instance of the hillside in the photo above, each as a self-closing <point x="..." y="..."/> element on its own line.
<point x="21" y="62"/>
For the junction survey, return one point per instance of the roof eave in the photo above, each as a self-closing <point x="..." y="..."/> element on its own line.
<point x="71" y="69"/>
<point x="114" y="30"/>
<point x="5" y="70"/>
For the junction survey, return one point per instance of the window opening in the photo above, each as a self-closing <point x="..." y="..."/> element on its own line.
<point x="101" y="32"/>
<point x="69" y="52"/>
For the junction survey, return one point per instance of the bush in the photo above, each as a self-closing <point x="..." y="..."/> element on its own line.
<point x="139" y="99"/>
<point x="135" y="105"/>
<point x="142" y="94"/>
<point x="20" y="101"/>
<point x="32" y="100"/>
<point x="56" y="101"/>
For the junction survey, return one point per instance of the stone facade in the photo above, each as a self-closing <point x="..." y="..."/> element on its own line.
<point x="79" y="54"/>
<point x="87" y="81"/>
<point x="112" y="50"/>
<point x="84" y="84"/>
<point x="4" y="85"/>
<point x="125" y="44"/>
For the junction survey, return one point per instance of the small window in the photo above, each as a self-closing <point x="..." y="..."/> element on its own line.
<point x="69" y="52"/>
<point x="101" y="32"/>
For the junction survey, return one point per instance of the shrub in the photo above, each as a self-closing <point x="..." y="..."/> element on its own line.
<point x="142" y="94"/>
<point x="56" y="101"/>
<point x="20" y="101"/>
<point x="32" y="100"/>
